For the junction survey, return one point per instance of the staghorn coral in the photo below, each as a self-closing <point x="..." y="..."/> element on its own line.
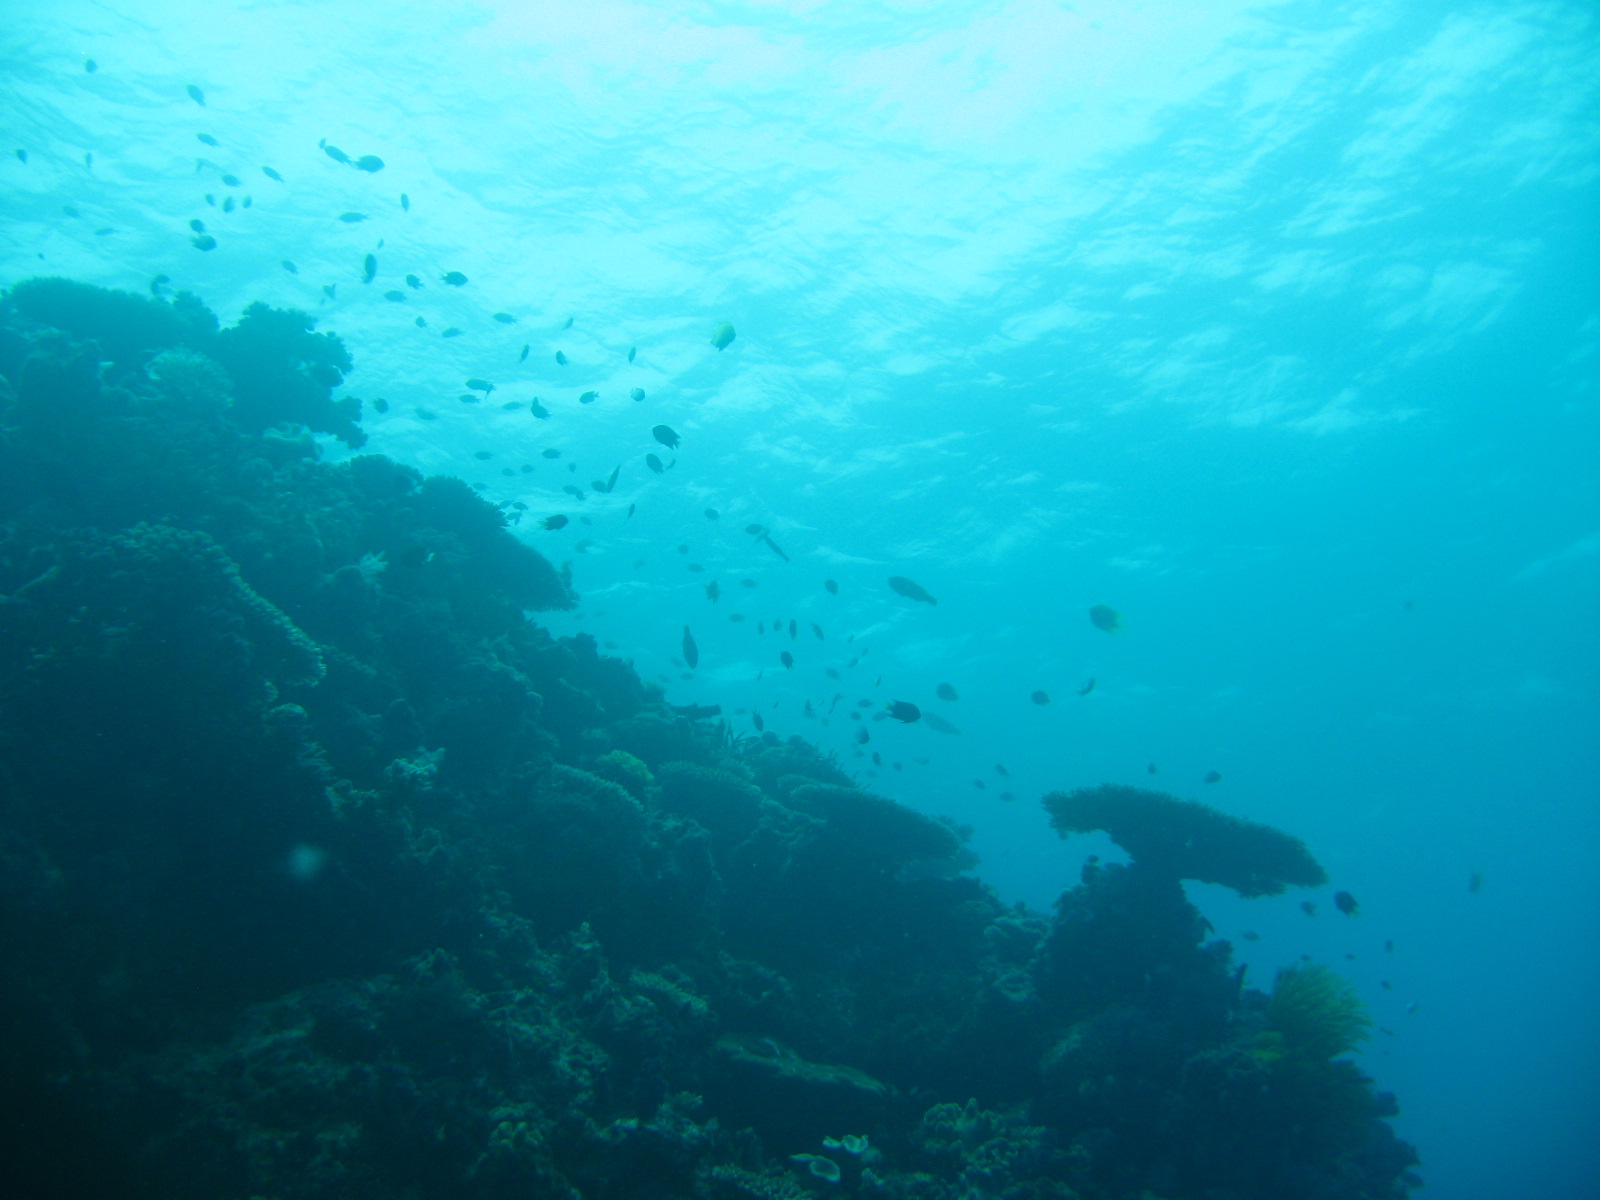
<point x="1188" y="839"/>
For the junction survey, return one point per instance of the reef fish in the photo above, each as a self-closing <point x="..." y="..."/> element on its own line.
<point x="1041" y="697"/>
<point x="904" y="710"/>
<point x="654" y="463"/>
<point x="787" y="660"/>
<point x="691" y="652"/>
<point x="480" y="385"/>
<point x="665" y="435"/>
<point x="910" y="589"/>
<point x="636" y="394"/>
<point x="722" y="337"/>
<point x="1103" y="616"/>
<point x="369" y="268"/>
<point x="945" y="692"/>
<point x="1346" y="903"/>
<point x="1212" y="777"/>
<point x="196" y="95"/>
<point x="504" y="318"/>
<point x="271" y="174"/>
<point x="352" y="218"/>
<point x="588" y="397"/>
<point x="370" y="163"/>
<point x="556" y="522"/>
<point x="832" y="585"/>
<point x="454" y="278"/>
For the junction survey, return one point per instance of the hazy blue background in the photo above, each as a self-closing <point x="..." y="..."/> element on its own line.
<point x="1273" y="326"/>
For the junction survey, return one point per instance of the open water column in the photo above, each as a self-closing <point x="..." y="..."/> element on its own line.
<point x="746" y="601"/>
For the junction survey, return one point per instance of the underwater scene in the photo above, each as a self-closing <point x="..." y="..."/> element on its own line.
<point x="922" y="599"/>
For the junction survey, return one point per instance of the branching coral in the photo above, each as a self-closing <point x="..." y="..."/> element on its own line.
<point x="1188" y="839"/>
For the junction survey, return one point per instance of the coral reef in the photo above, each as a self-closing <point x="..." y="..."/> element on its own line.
<point x="1187" y="839"/>
<point x="326" y="872"/>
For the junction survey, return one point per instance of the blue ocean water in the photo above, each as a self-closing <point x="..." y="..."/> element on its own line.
<point x="1273" y="327"/>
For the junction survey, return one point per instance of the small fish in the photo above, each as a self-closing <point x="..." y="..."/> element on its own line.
<point x="556" y="522"/>
<point x="426" y="415"/>
<point x="451" y="332"/>
<point x="422" y="322"/>
<point x="1087" y="688"/>
<point x="794" y="630"/>
<point x="1308" y="907"/>
<point x="712" y="514"/>
<point x="352" y="218"/>
<point x="505" y="318"/>
<point x="1211" y="777"/>
<point x="722" y="337"/>
<point x="832" y="586"/>
<point x="333" y="152"/>
<point x="946" y="692"/>
<point x="588" y="397"/>
<point x="636" y="394"/>
<point x="608" y="484"/>
<point x="1475" y="882"/>
<point x="329" y="290"/>
<point x="405" y="202"/>
<point x="567" y="324"/>
<point x="1346" y="903"/>
<point x="1250" y="935"/>
<point x="208" y="139"/>
<point x="980" y="785"/>
<point x="454" y="278"/>
<point x="271" y="174"/>
<point x="787" y="660"/>
<point x="1000" y="769"/>
<point x="1150" y="769"/>
<point x="904" y="710"/>
<point x="713" y="591"/>
<point x="552" y="453"/>
<point x="413" y="282"/>
<point x="538" y="409"/>
<point x="22" y="157"/>
<point x="394" y="296"/>
<point x="910" y="590"/>
<point x="755" y="719"/>
<point x="480" y="385"/>
<point x="197" y="225"/>
<point x="227" y="204"/>
<point x="665" y="435"/>
<point x="196" y="95"/>
<point x="561" y="359"/>
<point x="370" y="163"/>
<point x="380" y="405"/>
<point x="523" y="357"/>
<point x="632" y="350"/>
<point x="210" y="199"/>
<point x="817" y="629"/>
<point x="1103" y="616"/>
<point x="369" y="268"/>
<point x="483" y="455"/>
<point x="245" y="203"/>
<point x="203" y="241"/>
<point x="1041" y="697"/>
<point x="691" y="652"/>
<point x="863" y="736"/>
<point x="88" y="160"/>
<point x="230" y="180"/>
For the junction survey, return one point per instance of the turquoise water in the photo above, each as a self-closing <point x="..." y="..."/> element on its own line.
<point x="1272" y="327"/>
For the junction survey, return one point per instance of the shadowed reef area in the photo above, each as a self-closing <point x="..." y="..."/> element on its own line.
<point x="326" y="872"/>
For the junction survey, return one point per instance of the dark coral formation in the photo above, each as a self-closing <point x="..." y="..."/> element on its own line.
<point x="326" y="872"/>
<point x="1188" y="840"/>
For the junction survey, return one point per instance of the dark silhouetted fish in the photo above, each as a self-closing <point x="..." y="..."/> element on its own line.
<point x="654" y="463"/>
<point x="452" y="332"/>
<point x="333" y="152"/>
<point x="1346" y="903"/>
<point x="538" y="409"/>
<point x="271" y="174"/>
<point x="380" y="405"/>
<point x="405" y="202"/>
<point x="556" y="522"/>
<point x="1087" y="688"/>
<point x="787" y="659"/>
<point x="588" y="397"/>
<point x="665" y="435"/>
<point x="573" y="490"/>
<point x="945" y="692"/>
<point x="1041" y="697"/>
<point x="712" y="514"/>
<point x="1103" y="616"/>
<point x="504" y="318"/>
<point x="904" y="710"/>
<point x="196" y="95"/>
<point x="203" y="241"/>
<point x="394" y="297"/>
<point x="413" y="281"/>
<point x="691" y="652"/>
<point x="207" y="139"/>
<point x="755" y="719"/>
<point x="636" y="393"/>
<point x="609" y="483"/>
<point x="910" y="589"/>
<point x="561" y="359"/>
<point x="794" y="629"/>
<point x="832" y="585"/>
<point x="454" y="278"/>
<point x="817" y="629"/>
<point x="523" y="357"/>
<point x="230" y="180"/>
<point x="698" y="712"/>
<point x="352" y="218"/>
<point x="369" y="268"/>
<point x="370" y="163"/>
<point x="713" y="591"/>
<point x="632" y="350"/>
<point x="1212" y="777"/>
<point x="722" y="337"/>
